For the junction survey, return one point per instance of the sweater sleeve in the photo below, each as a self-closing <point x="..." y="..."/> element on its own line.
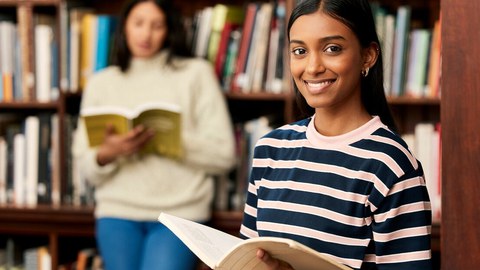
<point x="84" y="155"/>
<point x="211" y="145"/>
<point x="402" y="224"/>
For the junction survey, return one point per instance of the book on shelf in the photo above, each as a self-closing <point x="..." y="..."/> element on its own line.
<point x="220" y="250"/>
<point x="417" y="64"/>
<point x="400" y="49"/>
<point x="7" y="45"/>
<point x="222" y="16"/>
<point x="164" y="118"/>
<point x="25" y="37"/>
<point x="433" y="77"/>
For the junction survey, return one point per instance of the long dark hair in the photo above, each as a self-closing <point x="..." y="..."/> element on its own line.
<point x="356" y="15"/>
<point x="175" y="42"/>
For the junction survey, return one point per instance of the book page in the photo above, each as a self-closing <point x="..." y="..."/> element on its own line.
<point x="156" y="106"/>
<point x="167" y="126"/>
<point x="89" y="111"/>
<point x="299" y="256"/>
<point x="208" y="244"/>
<point x="97" y="124"/>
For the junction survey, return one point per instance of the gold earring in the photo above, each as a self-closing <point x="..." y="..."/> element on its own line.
<point x="365" y="72"/>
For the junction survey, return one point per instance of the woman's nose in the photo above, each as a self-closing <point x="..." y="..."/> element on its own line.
<point x="315" y="64"/>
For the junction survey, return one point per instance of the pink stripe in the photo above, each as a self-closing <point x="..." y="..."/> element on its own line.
<point x="250" y="210"/>
<point x="404" y="209"/>
<point x="317" y="211"/>
<point x="406" y="184"/>
<point x="405" y="257"/>
<point x="310" y="233"/>
<point x="248" y="232"/>
<point x="314" y="188"/>
<point x="283" y="143"/>
<point x="382" y="157"/>
<point x="312" y="166"/>
<point x="410" y="157"/>
<point x="404" y="233"/>
<point x="294" y="127"/>
<point x="252" y="188"/>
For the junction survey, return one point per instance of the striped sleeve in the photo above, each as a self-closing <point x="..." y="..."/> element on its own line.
<point x="402" y="225"/>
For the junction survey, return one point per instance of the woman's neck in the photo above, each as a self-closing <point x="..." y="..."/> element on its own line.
<point x="333" y="123"/>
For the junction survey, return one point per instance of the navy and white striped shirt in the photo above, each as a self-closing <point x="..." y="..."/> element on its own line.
<point x="359" y="197"/>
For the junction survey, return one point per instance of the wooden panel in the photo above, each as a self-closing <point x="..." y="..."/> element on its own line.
<point x="460" y="242"/>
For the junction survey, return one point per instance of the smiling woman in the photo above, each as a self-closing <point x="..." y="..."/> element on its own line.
<point x="340" y="181"/>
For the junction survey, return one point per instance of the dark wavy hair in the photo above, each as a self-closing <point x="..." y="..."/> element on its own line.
<point x="356" y="15"/>
<point x="175" y="42"/>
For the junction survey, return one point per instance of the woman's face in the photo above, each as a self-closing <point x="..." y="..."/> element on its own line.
<point x="326" y="61"/>
<point x="145" y="29"/>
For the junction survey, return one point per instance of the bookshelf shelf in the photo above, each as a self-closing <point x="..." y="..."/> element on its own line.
<point x="258" y="96"/>
<point x="420" y="101"/>
<point x="30" y="105"/>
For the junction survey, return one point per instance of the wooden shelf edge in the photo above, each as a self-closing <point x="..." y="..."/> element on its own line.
<point x="404" y="100"/>
<point x="30" y="105"/>
<point x="258" y="96"/>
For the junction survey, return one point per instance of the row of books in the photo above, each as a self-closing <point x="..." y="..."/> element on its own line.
<point x="425" y="143"/>
<point x="12" y="257"/>
<point x="244" y="43"/>
<point x="231" y="190"/>
<point x="18" y="83"/>
<point x="18" y="256"/>
<point x="411" y="54"/>
<point x="89" y="44"/>
<point x="29" y="160"/>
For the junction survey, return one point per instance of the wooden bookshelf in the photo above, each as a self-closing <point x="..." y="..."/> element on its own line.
<point x="456" y="238"/>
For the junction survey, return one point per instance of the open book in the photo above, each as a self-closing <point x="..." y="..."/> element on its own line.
<point x="220" y="250"/>
<point x="162" y="117"/>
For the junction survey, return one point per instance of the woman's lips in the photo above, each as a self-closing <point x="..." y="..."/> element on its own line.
<point x="317" y="87"/>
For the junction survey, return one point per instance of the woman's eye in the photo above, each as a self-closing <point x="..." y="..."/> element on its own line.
<point x="298" y="51"/>
<point x="333" y="49"/>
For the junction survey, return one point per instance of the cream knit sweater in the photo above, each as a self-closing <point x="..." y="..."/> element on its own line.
<point x="139" y="188"/>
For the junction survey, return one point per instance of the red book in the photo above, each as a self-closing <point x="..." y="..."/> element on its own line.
<point x="223" y="47"/>
<point x="247" y="31"/>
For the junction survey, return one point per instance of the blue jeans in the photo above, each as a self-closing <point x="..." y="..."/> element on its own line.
<point x="133" y="245"/>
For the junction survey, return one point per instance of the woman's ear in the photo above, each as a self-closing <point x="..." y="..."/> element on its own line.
<point x="370" y="55"/>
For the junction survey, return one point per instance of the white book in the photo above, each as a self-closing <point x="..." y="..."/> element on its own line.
<point x="74" y="52"/>
<point x="32" y="131"/>
<point x="425" y="143"/>
<point x="388" y="52"/>
<point x="55" y="160"/>
<point x="220" y="250"/>
<point x="43" y="59"/>
<point x="3" y="171"/>
<point x="418" y="62"/>
<point x="7" y="41"/>
<point x="203" y="36"/>
<point x="262" y="47"/>
<point x="19" y="169"/>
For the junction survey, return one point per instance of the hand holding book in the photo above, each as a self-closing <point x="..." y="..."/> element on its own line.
<point x="220" y="250"/>
<point x="115" y="145"/>
<point x="162" y="118"/>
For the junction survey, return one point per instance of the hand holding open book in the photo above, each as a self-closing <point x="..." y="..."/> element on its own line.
<point x="220" y="250"/>
<point x="163" y="118"/>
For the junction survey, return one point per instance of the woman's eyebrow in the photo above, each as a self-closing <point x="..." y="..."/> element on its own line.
<point x="322" y="40"/>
